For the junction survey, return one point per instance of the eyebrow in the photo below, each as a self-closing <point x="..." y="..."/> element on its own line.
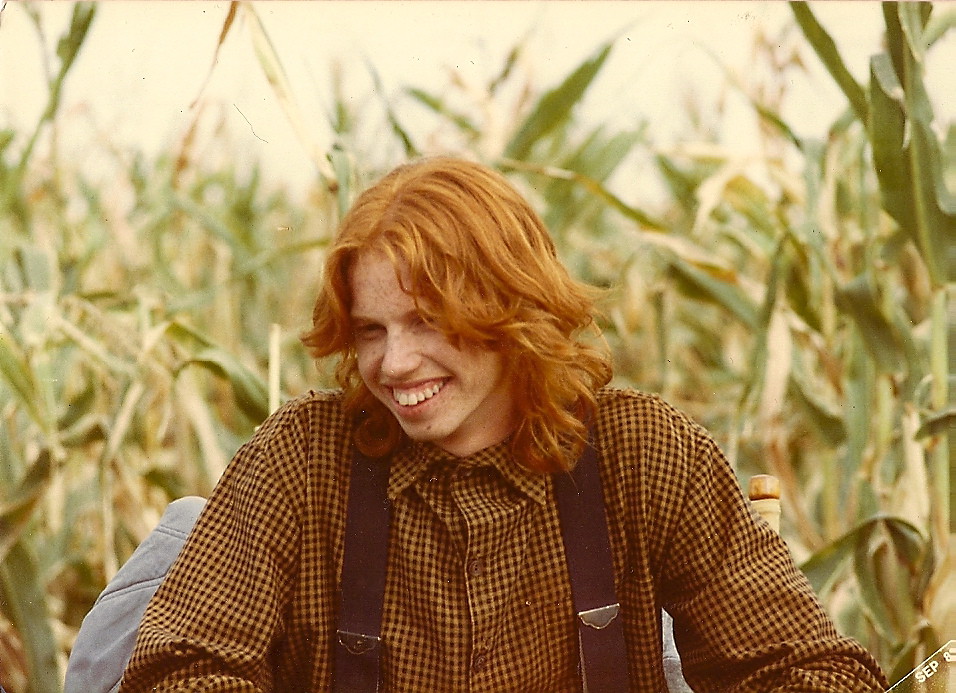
<point x="359" y="318"/>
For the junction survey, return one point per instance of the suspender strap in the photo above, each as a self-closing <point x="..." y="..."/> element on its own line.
<point x="358" y="648"/>
<point x="588" y="552"/>
<point x="587" y="549"/>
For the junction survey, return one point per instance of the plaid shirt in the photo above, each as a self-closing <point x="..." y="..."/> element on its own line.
<point x="477" y="595"/>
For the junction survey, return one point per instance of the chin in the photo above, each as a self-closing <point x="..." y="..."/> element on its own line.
<point x="421" y="436"/>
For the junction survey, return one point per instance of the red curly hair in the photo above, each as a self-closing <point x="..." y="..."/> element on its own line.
<point x="483" y="269"/>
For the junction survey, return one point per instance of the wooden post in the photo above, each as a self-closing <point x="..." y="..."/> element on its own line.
<point x="764" y="492"/>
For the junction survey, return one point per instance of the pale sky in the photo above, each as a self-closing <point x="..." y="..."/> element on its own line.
<point x="144" y="63"/>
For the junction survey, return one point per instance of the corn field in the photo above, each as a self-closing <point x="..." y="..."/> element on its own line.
<point x="800" y="304"/>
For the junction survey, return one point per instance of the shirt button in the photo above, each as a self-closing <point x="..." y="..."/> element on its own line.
<point x="476" y="567"/>
<point x="480" y="661"/>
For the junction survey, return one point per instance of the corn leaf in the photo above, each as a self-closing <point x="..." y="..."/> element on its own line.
<point x="887" y="126"/>
<point x="342" y="165"/>
<point x="25" y="601"/>
<point x="857" y="415"/>
<point x="935" y="205"/>
<point x="511" y="60"/>
<point x="582" y="197"/>
<point x="275" y="74"/>
<point x="827" y="422"/>
<point x="906" y="149"/>
<point x="858" y="300"/>
<point x="824" y="568"/>
<point x="250" y="391"/>
<point x="408" y="145"/>
<point x="67" y="49"/>
<point x="555" y="106"/>
<point x="826" y="50"/>
<point x="703" y="285"/>
<point x="436" y="104"/>
<point x="17" y="509"/>
<point x="942" y="20"/>
<point x="594" y="187"/>
<point x="223" y="33"/>
<point x="18" y="376"/>
<point x="861" y="544"/>
<point x="912" y="21"/>
<point x="938" y="424"/>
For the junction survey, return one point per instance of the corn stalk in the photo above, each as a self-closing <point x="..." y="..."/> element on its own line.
<point x="797" y="302"/>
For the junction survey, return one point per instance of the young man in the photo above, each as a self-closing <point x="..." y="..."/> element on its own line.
<point x="469" y="365"/>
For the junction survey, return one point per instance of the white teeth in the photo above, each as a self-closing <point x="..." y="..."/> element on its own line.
<point x="407" y="399"/>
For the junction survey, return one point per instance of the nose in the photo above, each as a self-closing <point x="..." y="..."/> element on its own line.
<point x="401" y="356"/>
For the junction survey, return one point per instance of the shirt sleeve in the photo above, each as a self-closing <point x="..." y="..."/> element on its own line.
<point x="745" y="617"/>
<point x="215" y="619"/>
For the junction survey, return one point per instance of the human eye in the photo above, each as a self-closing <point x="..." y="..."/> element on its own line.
<point x="366" y="331"/>
<point x="422" y="325"/>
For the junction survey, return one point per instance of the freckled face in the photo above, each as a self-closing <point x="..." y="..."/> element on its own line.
<point x="457" y="398"/>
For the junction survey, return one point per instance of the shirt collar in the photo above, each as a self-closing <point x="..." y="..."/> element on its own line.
<point x="414" y="459"/>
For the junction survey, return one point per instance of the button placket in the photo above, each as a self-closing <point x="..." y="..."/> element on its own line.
<point x="492" y="515"/>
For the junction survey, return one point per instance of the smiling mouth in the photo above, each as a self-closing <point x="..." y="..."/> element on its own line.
<point x="409" y="398"/>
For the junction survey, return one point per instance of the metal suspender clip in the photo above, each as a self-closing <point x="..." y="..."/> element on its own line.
<point x="357" y="643"/>
<point x="601" y="617"/>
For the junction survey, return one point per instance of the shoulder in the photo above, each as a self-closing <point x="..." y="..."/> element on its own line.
<point x="309" y="432"/>
<point x="316" y="413"/>
<point x="653" y="457"/>
<point x="625" y="414"/>
<point x="642" y="435"/>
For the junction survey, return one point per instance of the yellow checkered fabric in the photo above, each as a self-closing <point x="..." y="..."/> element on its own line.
<point x="478" y="597"/>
